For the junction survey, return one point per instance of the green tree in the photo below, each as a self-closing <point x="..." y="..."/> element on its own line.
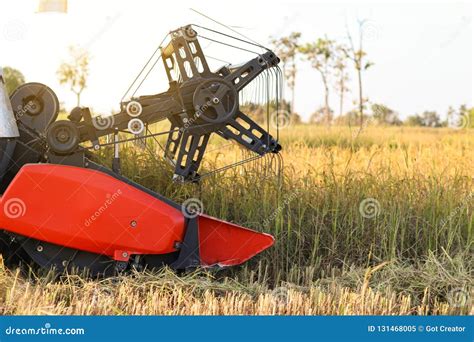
<point x="431" y="119"/>
<point x="348" y="119"/>
<point x="427" y="119"/>
<point x="471" y="118"/>
<point x="286" y="49"/>
<point x="341" y="75"/>
<point x="75" y="72"/>
<point x="414" y="120"/>
<point x="258" y="112"/>
<point x="321" y="56"/>
<point x="359" y="58"/>
<point x="322" y="116"/>
<point x="13" y="79"/>
<point x="465" y="117"/>
<point x="384" y="115"/>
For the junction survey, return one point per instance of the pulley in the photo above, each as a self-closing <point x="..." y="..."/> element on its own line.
<point x="134" y="109"/>
<point x="215" y="100"/>
<point x="35" y="105"/>
<point x="63" y="137"/>
<point x="136" y="126"/>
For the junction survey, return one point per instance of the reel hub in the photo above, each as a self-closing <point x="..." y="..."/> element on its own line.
<point x="216" y="100"/>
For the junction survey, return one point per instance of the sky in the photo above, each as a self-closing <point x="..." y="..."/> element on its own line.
<point x="422" y="51"/>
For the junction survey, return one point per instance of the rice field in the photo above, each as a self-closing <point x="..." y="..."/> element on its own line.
<point x="378" y="221"/>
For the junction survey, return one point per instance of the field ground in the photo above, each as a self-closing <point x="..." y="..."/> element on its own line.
<point x="373" y="222"/>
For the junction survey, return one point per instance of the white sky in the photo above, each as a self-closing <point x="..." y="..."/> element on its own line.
<point x="423" y="51"/>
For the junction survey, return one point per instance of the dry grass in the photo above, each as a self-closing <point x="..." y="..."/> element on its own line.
<point x="328" y="258"/>
<point x="198" y="294"/>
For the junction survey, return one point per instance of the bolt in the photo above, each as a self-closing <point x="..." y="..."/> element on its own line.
<point x="133" y="224"/>
<point x="125" y="254"/>
<point x="64" y="263"/>
<point x="39" y="248"/>
<point x="215" y="100"/>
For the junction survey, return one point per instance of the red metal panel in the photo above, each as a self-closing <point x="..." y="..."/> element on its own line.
<point x="226" y="244"/>
<point x="92" y="211"/>
<point x="88" y="210"/>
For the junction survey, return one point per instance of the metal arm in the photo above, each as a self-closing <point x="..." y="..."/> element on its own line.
<point x="198" y="103"/>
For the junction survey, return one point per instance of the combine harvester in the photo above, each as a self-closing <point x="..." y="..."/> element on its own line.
<point x="61" y="209"/>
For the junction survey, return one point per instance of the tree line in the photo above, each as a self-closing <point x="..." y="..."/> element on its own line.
<point x="333" y="61"/>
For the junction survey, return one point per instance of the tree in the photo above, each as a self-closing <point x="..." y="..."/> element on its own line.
<point x="461" y="118"/>
<point x="384" y="115"/>
<point x="286" y="48"/>
<point x="320" y="54"/>
<point x="426" y="119"/>
<point x="258" y="112"/>
<point x="321" y="116"/>
<point x="13" y="79"/>
<point x="465" y="117"/>
<point x="347" y="119"/>
<point x="341" y="75"/>
<point x="414" y="120"/>
<point x="75" y="72"/>
<point x="470" y="118"/>
<point x="430" y="119"/>
<point x="358" y="56"/>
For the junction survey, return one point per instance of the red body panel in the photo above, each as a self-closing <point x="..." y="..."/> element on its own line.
<point x="89" y="210"/>
<point x="227" y="244"/>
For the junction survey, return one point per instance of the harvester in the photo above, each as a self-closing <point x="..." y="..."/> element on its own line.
<point x="62" y="209"/>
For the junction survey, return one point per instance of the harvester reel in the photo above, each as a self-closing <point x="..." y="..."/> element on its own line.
<point x="140" y="228"/>
<point x="35" y="105"/>
<point x="216" y="100"/>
